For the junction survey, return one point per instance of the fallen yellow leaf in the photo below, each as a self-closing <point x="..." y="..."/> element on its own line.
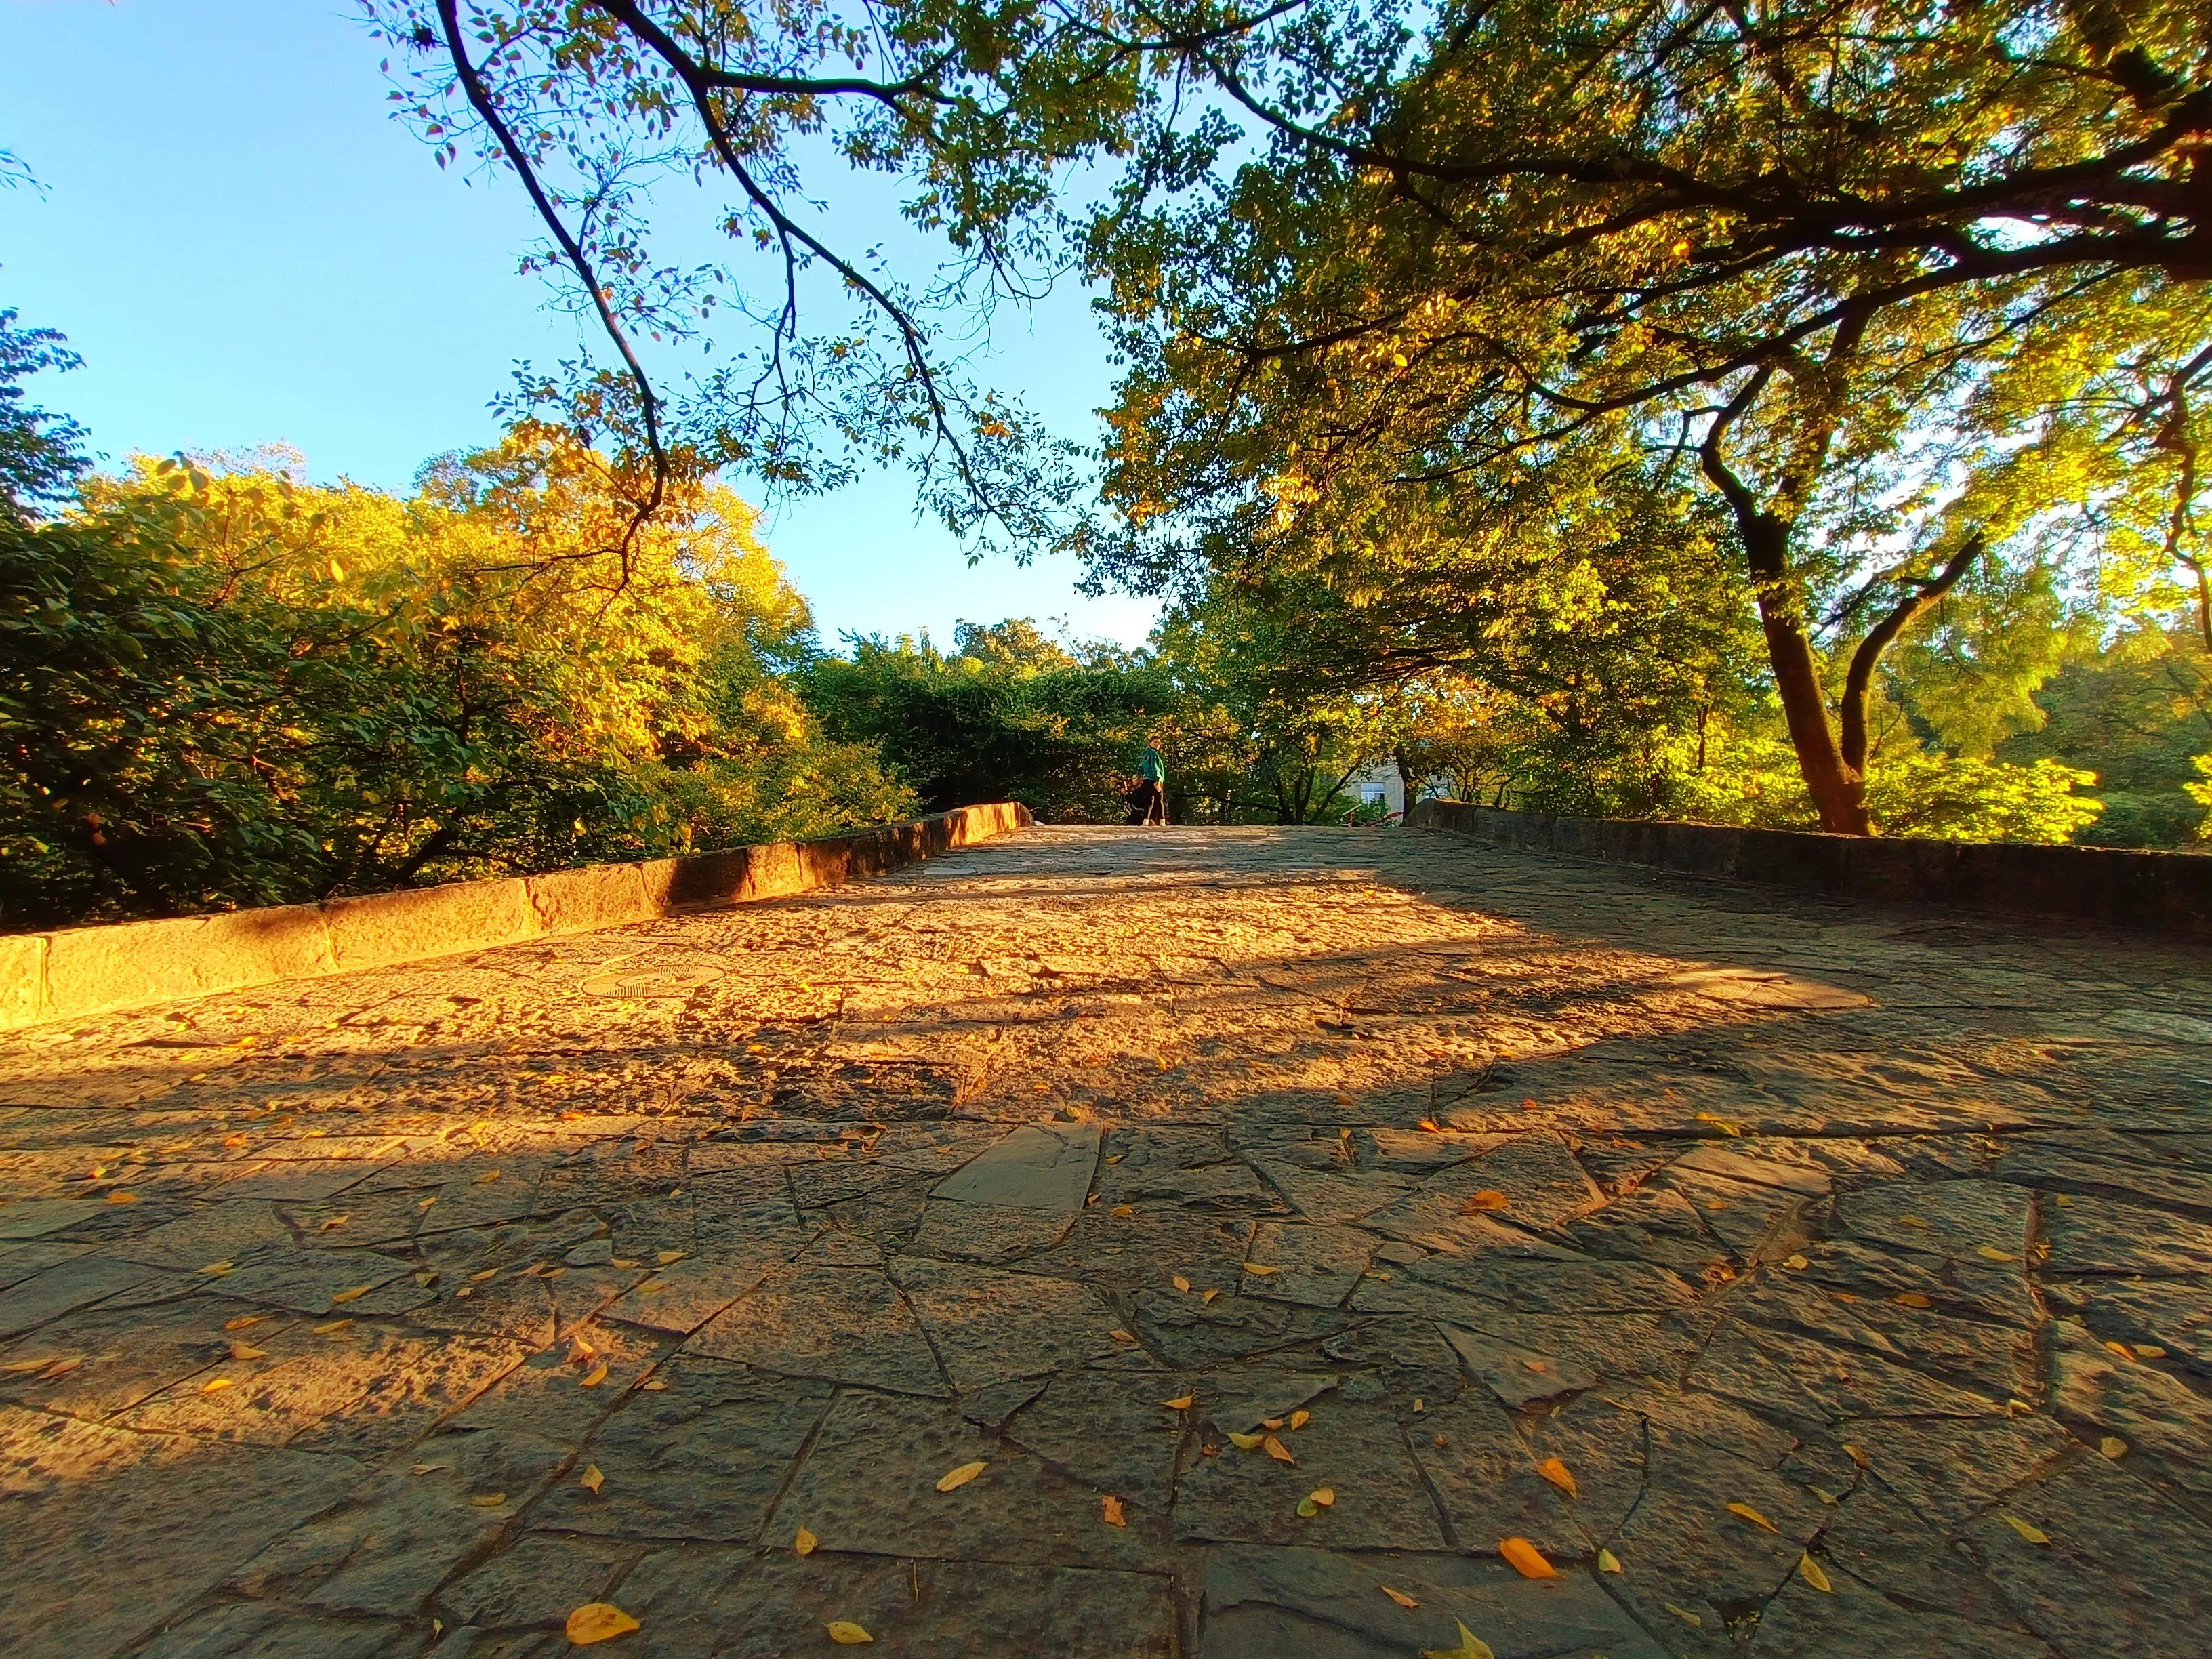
<point x="489" y="1174"/>
<point x="488" y="1500"/>
<point x="2027" y="1529"/>
<point x="1489" y="1198"/>
<point x="1276" y="1449"/>
<point x="218" y="1268"/>
<point x="598" y="1621"/>
<point x="597" y="1375"/>
<point x="592" y="1479"/>
<point x="1300" y="1419"/>
<point x="245" y="1320"/>
<point x="1260" y="1270"/>
<point x="1181" y="1284"/>
<point x="846" y="1633"/>
<point x="1184" y="1403"/>
<point x="1471" y="1646"/>
<point x="804" y="1544"/>
<point x="213" y="1383"/>
<point x="1684" y="1613"/>
<point x="1122" y="1211"/>
<point x="1856" y="1454"/>
<point x="1810" y="1570"/>
<point x="1990" y="1252"/>
<point x="953" y="1479"/>
<point x="1911" y="1299"/>
<point x="123" y="1195"/>
<point x="479" y="1278"/>
<point x="334" y="1222"/>
<point x="1110" y="1507"/>
<point x="1399" y="1596"/>
<point x="1752" y="1516"/>
<point x="246" y="1350"/>
<point x="1245" y="1442"/>
<point x="2113" y="1447"/>
<point x="665" y="1257"/>
<point x="333" y="1326"/>
<point x="1608" y="1561"/>
<point x="353" y="1293"/>
<point x="1525" y="1558"/>
<point x="1121" y="1336"/>
<point x="1559" y="1474"/>
<point x="425" y="1468"/>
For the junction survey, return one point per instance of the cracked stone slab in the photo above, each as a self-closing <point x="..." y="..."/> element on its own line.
<point x="1314" y="1267"/>
<point x="1263" y="1603"/>
<point x="988" y="1325"/>
<point x="90" y="1508"/>
<point x="704" y="1607"/>
<point x="1039" y="1166"/>
<point x="857" y="1500"/>
<point x="834" y="1324"/>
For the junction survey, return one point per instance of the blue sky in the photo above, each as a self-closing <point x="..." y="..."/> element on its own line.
<point x="246" y="249"/>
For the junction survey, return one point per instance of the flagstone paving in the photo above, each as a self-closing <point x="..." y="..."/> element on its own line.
<point x="1797" y="1278"/>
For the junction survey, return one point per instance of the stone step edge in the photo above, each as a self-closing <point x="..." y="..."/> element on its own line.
<point x="2146" y="891"/>
<point x="72" y="972"/>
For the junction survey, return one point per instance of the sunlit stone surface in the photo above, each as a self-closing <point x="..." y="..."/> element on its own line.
<point x="405" y="1312"/>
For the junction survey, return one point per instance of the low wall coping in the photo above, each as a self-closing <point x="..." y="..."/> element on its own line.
<point x="71" y="972"/>
<point x="2149" y="892"/>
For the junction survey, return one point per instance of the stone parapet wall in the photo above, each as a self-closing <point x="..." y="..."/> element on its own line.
<point x="2156" y="892"/>
<point x="76" y="971"/>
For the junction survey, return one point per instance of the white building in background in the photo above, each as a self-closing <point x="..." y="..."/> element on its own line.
<point x="1379" y="782"/>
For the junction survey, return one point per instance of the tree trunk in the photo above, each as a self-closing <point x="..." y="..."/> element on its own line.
<point x="1837" y="788"/>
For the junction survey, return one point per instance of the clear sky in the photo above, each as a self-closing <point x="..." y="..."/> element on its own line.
<point x="245" y="248"/>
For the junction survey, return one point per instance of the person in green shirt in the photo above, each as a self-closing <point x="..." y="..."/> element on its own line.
<point x="1148" y="801"/>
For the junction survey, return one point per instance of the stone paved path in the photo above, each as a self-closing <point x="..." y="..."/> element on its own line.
<point x="1798" y="1280"/>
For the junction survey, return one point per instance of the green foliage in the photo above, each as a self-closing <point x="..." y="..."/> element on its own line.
<point x="2137" y="711"/>
<point x="1009" y="714"/>
<point x="221" y="686"/>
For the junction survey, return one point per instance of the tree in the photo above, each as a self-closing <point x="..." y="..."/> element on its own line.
<point x="220" y="685"/>
<point x="1009" y="714"/>
<point x="1838" y="259"/>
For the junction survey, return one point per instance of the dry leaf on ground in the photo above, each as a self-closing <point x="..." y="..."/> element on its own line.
<point x="1810" y="1570"/>
<point x="1276" y="1449"/>
<point x="804" y="1544"/>
<point x="1490" y="1198"/>
<point x="2027" y="1529"/>
<point x="1300" y="1419"/>
<point x="1525" y="1558"/>
<point x="1608" y="1561"/>
<point x="598" y="1621"/>
<point x="592" y="1479"/>
<point x="1559" y="1474"/>
<point x="597" y="1375"/>
<point x="1182" y="1403"/>
<point x="1110" y="1508"/>
<point x="1749" y="1514"/>
<point x="1471" y="1646"/>
<point x="953" y="1479"/>
<point x="1399" y="1596"/>
<point x="846" y="1633"/>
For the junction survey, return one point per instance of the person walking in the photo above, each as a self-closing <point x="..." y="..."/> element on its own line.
<point x="1150" y="805"/>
